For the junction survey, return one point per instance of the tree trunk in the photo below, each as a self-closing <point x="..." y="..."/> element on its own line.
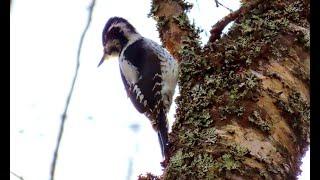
<point x="243" y="110"/>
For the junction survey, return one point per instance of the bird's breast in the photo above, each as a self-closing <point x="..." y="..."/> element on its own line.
<point x="129" y="71"/>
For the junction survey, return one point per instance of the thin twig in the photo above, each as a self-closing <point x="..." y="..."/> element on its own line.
<point x="220" y="25"/>
<point x="16" y="175"/>
<point x="130" y="164"/>
<point x="64" y="115"/>
<point x="219" y="3"/>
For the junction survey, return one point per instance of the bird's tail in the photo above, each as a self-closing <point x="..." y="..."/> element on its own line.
<point x="163" y="132"/>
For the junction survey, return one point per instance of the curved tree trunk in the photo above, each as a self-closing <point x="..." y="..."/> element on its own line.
<point x="243" y="110"/>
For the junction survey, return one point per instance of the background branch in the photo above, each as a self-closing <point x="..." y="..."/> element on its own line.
<point x="64" y="115"/>
<point x="16" y="175"/>
<point x="219" y="3"/>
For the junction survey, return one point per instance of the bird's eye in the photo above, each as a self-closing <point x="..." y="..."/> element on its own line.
<point x="116" y="43"/>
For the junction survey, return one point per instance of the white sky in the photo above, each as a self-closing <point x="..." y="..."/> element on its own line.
<point x="98" y="140"/>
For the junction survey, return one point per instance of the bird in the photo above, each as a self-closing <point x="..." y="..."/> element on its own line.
<point x="148" y="71"/>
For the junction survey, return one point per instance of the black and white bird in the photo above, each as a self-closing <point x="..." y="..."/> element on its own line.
<point x="149" y="73"/>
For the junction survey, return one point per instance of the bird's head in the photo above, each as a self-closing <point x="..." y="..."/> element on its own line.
<point x="117" y="33"/>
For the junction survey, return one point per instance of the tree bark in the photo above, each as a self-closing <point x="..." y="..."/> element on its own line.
<point x="243" y="110"/>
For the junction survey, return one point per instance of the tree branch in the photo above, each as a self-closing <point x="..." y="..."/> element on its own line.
<point x="219" y="3"/>
<point x="220" y="25"/>
<point x="64" y="115"/>
<point x="173" y="24"/>
<point x="16" y="175"/>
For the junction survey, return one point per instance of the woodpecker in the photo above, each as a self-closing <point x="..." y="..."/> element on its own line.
<point x="149" y="73"/>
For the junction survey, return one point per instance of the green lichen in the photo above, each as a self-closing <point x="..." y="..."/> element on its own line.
<point x="182" y="20"/>
<point x="259" y="32"/>
<point x="209" y="136"/>
<point x="302" y="111"/>
<point x="239" y="151"/>
<point x="179" y="166"/>
<point x="153" y="10"/>
<point x="300" y="73"/>
<point x="202" y="163"/>
<point x="188" y="138"/>
<point x="297" y="111"/>
<point x="229" y="162"/>
<point x="162" y="22"/>
<point x="230" y="110"/>
<point x="303" y="38"/>
<point x="295" y="12"/>
<point x="200" y="166"/>
<point x="218" y="83"/>
<point x="176" y="161"/>
<point x="197" y="137"/>
<point x="255" y="118"/>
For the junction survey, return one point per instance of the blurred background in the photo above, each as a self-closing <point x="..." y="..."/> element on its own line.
<point x="104" y="136"/>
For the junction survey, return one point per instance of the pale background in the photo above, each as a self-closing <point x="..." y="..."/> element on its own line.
<point x="105" y="137"/>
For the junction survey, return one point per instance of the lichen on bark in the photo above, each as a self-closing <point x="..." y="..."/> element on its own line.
<point x="244" y="106"/>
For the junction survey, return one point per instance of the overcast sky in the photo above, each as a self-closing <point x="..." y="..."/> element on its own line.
<point x="104" y="135"/>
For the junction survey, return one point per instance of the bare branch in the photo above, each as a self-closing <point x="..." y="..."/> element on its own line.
<point x="220" y="25"/>
<point x="16" y="175"/>
<point x="130" y="164"/>
<point x="64" y="115"/>
<point x="219" y="3"/>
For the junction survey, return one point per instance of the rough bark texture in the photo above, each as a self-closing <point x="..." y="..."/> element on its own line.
<point x="243" y="110"/>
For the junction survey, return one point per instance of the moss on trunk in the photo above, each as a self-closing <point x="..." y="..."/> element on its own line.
<point x="243" y="110"/>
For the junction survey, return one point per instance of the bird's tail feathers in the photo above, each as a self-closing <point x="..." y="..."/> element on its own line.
<point x="163" y="132"/>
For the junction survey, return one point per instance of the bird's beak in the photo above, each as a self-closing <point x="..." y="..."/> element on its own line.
<point x="102" y="59"/>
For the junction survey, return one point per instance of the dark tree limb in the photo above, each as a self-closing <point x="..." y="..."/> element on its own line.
<point x="220" y="25"/>
<point x="64" y="115"/>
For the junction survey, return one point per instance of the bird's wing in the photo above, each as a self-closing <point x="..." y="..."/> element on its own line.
<point x="144" y="84"/>
<point x="133" y="95"/>
<point x="146" y="91"/>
